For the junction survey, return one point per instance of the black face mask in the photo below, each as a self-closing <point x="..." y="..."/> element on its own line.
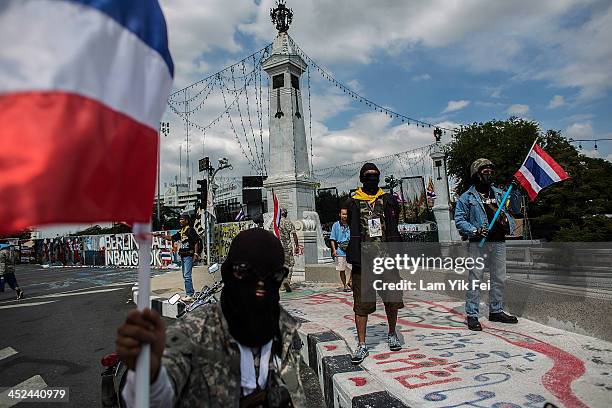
<point x="484" y="181"/>
<point x="252" y="320"/>
<point x="370" y="183"/>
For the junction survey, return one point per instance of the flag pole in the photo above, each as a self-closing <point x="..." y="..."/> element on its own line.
<point x="142" y="232"/>
<point x="504" y="199"/>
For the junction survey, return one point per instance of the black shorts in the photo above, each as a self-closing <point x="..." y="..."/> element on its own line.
<point x="364" y="308"/>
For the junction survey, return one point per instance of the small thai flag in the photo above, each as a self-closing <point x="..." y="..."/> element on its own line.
<point x="240" y="216"/>
<point x="277" y="216"/>
<point x="166" y="256"/>
<point x="538" y="172"/>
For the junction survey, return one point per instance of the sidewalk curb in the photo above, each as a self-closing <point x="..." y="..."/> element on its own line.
<point x="343" y="384"/>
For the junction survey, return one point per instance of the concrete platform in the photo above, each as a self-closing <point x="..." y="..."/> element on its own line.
<point x="443" y="363"/>
<point x="573" y="308"/>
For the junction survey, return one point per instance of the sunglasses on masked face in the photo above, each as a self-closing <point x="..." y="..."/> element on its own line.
<point x="487" y="170"/>
<point x="245" y="271"/>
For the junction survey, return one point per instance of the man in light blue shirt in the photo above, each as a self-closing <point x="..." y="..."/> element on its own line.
<point x="339" y="237"/>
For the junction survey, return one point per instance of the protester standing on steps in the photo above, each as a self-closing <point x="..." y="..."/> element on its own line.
<point x="372" y="216"/>
<point x="190" y="247"/>
<point x="7" y="269"/>
<point x="339" y="238"/>
<point x="474" y="209"/>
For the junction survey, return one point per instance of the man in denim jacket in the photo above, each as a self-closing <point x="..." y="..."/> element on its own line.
<point x="474" y="209"/>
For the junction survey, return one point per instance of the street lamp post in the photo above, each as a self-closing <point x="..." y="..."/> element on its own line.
<point x="164" y="129"/>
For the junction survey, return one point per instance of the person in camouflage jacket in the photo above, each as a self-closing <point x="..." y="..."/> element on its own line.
<point x="201" y="359"/>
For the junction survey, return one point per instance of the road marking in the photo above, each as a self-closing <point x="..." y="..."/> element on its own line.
<point x="26" y="304"/>
<point x="7" y="352"/>
<point x="64" y="294"/>
<point x="32" y="383"/>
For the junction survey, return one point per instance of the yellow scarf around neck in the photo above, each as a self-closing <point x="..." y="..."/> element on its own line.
<point x="362" y="195"/>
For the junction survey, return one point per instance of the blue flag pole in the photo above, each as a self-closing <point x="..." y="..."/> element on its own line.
<point x="503" y="203"/>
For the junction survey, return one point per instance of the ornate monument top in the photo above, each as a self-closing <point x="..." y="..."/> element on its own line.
<point x="281" y="16"/>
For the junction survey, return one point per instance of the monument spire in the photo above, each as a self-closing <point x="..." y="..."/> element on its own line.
<point x="281" y="16"/>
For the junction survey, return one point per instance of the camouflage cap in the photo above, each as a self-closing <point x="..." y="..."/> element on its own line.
<point x="479" y="164"/>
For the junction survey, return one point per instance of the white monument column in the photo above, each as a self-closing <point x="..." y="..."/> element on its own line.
<point x="289" y="173"/>
<point x="444" y="220"/>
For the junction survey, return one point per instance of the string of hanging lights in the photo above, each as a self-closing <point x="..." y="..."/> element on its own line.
<point x="362" y="99"/>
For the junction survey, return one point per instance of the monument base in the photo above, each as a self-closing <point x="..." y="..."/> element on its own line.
<point x="310" y="236"/>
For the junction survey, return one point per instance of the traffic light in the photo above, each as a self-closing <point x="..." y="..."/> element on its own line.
<point x="202" y="193"/>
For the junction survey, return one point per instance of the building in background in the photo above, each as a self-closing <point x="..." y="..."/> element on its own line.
<point x="230" y="195"/>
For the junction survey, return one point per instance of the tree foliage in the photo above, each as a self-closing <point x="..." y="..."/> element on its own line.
<point x="573" y="210"/>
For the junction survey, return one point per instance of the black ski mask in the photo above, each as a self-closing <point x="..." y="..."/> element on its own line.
<point x="484" y="179"/>
<point x="370" y="181"/>
<point x="252" y="275"/>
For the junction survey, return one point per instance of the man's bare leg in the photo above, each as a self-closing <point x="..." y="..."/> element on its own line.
<point x="361" y="322"/>
<point x="391" y="318"/>
<point x="343" y="279"/>
<point x="392" y="339"/>
<point x="361" y="352"/>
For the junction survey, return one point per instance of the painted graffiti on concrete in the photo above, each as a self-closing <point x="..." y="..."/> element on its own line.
<point x="444" y="364"/>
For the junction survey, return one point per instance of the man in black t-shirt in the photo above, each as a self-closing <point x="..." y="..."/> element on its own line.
<point x="189" y="248"/>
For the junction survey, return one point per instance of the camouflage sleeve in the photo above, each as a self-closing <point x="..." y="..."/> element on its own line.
<point x="291" y="375"/>
<point x="177" y="357"/>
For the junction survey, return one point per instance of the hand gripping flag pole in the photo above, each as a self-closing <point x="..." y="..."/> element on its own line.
<point x="504" y="200"/>
<point x="142" y="233"/>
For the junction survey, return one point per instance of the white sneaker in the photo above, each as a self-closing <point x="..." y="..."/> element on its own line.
<point x="187" y="299"/>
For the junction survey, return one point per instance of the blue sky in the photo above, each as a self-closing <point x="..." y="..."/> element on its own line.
<point x="446" y="62"/>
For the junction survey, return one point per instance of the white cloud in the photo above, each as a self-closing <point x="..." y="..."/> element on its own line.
<point x="518" y="109"/>
<point x="478" y="35"/>
<point x="556" y="101"/>
<point x="582" y="130"/>
<point x="197" y="27"/>
<point x="355" y="85"/>
<point x="422" y="77"/>
<point x="453" y="106"/>
<point x="496" y="92"/>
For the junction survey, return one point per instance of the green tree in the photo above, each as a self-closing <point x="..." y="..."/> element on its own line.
<point x="569" y="211"/>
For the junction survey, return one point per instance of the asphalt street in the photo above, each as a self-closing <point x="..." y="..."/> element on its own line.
<point x="60" y="330"/>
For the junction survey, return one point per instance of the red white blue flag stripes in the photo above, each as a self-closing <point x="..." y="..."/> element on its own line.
<point x="277" y="216"/>
<point x="83" y="85"/>
<point x="538" y="172"/>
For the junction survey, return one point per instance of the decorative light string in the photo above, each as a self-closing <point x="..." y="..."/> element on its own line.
<point x="406" y="119"/>
<point x="265" y="50"/>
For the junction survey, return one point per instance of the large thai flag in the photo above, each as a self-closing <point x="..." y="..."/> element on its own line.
<point x="538" y="172"/>
<point x="276" y="216"/>
<point x="83" y="85"/>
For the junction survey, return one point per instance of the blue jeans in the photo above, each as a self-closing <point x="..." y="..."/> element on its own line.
<point x="187" y="265"/>
<point x="495" y="264"/>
